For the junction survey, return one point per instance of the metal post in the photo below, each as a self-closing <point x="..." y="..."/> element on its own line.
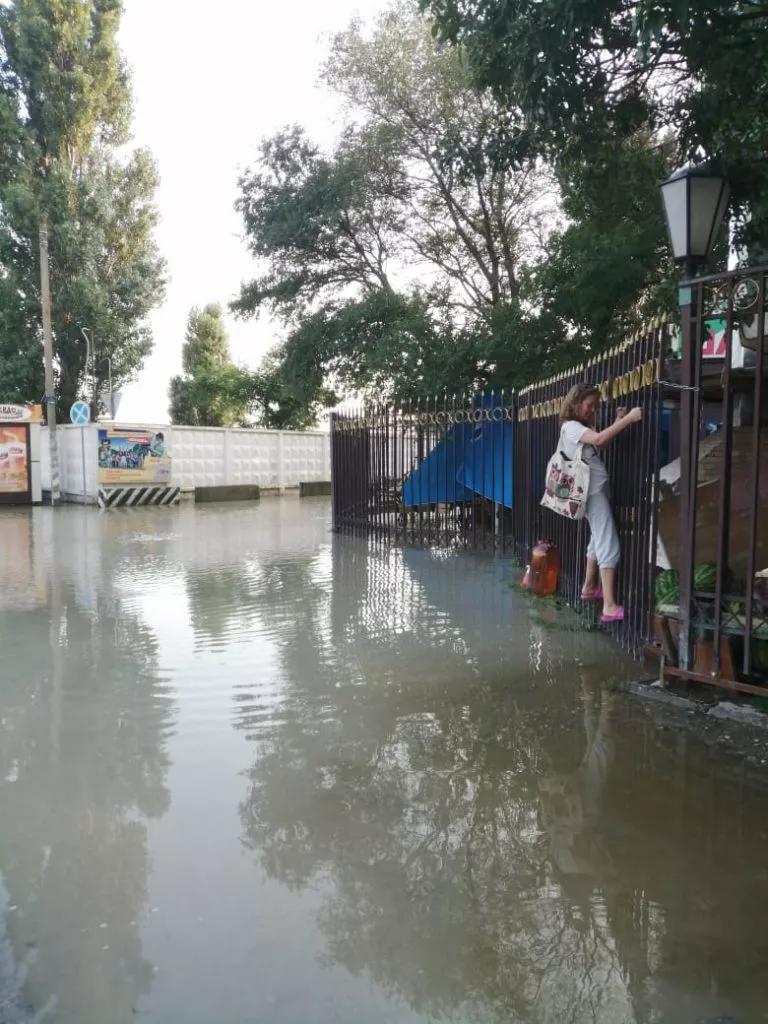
<point x="82" y="456"/>
<point x="50" y="397"/>
<point x="688" y="423"/>
<point x="95" y="399"/>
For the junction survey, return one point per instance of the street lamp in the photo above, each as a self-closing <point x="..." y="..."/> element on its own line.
<point x="695" y="199"/>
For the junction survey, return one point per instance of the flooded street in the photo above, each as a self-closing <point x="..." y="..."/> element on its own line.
<point x="250" y="772"/>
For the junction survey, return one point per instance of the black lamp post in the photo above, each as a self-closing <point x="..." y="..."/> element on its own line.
<point x="695" y="199"/>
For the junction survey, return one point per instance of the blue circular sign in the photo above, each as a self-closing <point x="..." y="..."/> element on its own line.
<point x="80" y="414"/>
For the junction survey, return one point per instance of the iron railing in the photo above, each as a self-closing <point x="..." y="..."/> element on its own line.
<point x="723" y="624"/>
<point x="469" y="472"/>
<point x="690" y="493"/>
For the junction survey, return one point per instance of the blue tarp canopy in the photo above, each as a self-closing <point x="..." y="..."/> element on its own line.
<point x="473" y="460"/>
<point x="487" y="466"/>
<point x="435" y="479"/>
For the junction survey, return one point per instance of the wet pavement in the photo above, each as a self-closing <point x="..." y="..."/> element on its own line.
<point x="250" y="772"/>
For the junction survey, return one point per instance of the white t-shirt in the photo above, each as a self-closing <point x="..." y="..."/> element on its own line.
<point x="570" y="438"/>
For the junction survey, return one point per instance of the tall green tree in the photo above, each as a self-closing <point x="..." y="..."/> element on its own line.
<point x="211" y="392"/>
<point x="394" y="258"/>
<point x="64" y="111"/>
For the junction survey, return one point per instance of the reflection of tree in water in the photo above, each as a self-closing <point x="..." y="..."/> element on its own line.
<point x="83" y="747"/>
<point x="223" y="600"/>
<point x="484" y="858"/>
<point x="417" y="794"/>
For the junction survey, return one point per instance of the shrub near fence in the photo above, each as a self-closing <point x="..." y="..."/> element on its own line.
<point x="469" y="472"/>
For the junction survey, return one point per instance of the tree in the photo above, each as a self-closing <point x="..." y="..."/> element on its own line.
<point x="393" y="258"/>
<point x="608" y="270"/>
<point x="471" y="209"/>
<point x="213" y="392"/>
<point x="418" y="178"/>
<point x="324" y="225"/>
<point x="581" y="73"/>
<point x="206" y="345"/>
<point x="64" y="110"/>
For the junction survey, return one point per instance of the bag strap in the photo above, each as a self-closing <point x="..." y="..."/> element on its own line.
<point x="579" y="457"/>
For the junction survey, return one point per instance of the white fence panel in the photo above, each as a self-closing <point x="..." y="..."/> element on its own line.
<point x="201" y="457"/>
<point x="254" y="458"/>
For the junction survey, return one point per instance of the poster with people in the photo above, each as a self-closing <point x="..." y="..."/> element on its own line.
<point x="136" y="457"/>
<point x="14" y="459"/>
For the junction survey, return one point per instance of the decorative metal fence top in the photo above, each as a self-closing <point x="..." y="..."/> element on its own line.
<point x="442" y="414"/>
<point x="641" y="376"/>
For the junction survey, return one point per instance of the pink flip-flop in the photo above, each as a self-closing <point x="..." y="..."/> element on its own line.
<point x="593" y="595"/>
<point x="617" y="616"/>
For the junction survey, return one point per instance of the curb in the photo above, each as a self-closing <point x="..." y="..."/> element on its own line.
<point x="721" y="711"/>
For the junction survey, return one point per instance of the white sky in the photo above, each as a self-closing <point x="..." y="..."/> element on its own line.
<point x="209" y="83"/>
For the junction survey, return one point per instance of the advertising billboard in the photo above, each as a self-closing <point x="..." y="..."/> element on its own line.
<point x="132" y="457"/>
<point x="14" y="462"/>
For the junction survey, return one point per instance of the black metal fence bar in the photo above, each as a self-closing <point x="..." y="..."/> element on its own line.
<point x="754" y="482"/>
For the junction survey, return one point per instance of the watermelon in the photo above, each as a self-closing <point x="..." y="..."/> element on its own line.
<point x="705" y="578"/>
<point x="667" y="587"/>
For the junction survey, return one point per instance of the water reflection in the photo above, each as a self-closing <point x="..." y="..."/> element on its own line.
<point x="81" y="763"/>
<point x="432" y="807"/>
<point x="503" y="838"/>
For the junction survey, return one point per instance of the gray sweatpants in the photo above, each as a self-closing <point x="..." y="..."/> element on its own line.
<point x="604" y="540"/>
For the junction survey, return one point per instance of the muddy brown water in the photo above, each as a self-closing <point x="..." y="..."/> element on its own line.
<point x="250" y="772"/>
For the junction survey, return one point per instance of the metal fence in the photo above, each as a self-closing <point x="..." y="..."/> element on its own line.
<point x="722" y="545"/>
<point x="469" y="472"/>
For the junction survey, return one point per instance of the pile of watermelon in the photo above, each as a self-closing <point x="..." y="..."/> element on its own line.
<point x="667" y="588"/>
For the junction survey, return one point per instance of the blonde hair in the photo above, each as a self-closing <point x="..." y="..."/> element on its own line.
<point x="572" y="402"/>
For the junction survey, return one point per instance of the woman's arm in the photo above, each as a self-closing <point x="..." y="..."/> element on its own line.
<point x="601" y="438"/>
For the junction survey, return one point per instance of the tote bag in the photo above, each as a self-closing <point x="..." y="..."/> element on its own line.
<point x="567" y="486"/>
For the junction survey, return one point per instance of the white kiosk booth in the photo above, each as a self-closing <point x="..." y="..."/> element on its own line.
<point x="20" y="480"/>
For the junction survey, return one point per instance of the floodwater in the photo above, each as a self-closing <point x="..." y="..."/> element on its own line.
<point x="250" y="772"/>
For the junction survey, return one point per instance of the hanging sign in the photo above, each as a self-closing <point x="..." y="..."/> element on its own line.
<point x="10" y="413"/>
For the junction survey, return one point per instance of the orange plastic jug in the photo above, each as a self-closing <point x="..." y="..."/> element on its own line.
<point x="545" y="568"/>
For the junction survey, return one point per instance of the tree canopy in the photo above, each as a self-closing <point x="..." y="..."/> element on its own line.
<point x="581" y="73"/>
<point x="209" y="394"/>
<point x="64" y="112"/>
<point x="396" y="260"/>
<point x="214" y="392"/>
<point x="454" y="238"/>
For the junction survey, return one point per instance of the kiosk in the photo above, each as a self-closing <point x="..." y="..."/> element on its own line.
<point x="20" y="482"/>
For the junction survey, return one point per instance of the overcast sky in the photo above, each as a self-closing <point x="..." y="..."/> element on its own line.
<point x="209" y="82"/>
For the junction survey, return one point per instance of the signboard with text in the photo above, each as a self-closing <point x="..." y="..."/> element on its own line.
<point x="11" y="413"/>
<point x="132" y="457"/>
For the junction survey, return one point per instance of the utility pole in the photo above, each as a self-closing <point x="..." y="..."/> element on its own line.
<point x="50" y="396"/>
